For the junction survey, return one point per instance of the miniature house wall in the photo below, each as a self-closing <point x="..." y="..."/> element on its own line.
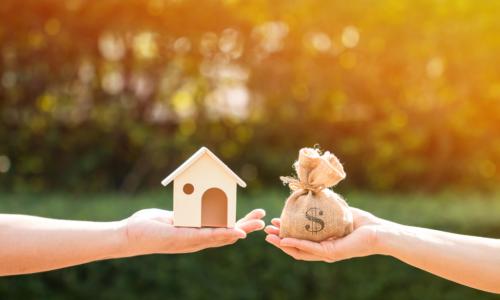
<point x="204" y="192"/>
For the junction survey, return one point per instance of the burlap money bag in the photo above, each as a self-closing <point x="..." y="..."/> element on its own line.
<point x="313" y="211"/>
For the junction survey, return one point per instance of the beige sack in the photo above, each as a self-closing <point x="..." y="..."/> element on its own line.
<point x="313" y="211"/>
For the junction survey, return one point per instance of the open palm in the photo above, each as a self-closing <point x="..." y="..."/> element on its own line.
<point x="360" y="242"/>
<point x="152" y="231"/>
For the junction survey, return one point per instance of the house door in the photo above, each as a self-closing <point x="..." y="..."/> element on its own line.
<point x="214" y="208"/>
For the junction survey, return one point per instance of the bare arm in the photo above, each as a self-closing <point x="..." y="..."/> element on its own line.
<point x="468" y="260"/>
<point x="32" y="244"/>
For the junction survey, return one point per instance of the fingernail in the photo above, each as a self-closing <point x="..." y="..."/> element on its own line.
<point x="259" y="213"/>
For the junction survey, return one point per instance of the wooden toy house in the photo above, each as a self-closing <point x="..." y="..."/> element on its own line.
<point x="204" y="192"/>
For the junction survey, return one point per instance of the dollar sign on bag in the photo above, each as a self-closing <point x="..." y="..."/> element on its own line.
<point x="317" y="224"/>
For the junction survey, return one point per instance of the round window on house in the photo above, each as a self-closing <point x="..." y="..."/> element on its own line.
<point x="188" y="188"/>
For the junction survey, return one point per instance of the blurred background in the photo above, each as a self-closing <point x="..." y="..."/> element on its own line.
<point x="99" y="100"/>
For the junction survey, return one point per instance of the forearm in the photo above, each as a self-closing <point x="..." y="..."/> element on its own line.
<point x="32" y="244"/>
<point x="472" y="261"/>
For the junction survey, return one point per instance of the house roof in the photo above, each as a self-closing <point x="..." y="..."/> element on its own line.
<point x="193" y="159"/>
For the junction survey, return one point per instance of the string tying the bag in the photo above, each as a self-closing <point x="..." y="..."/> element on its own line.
<point x="295" y="184"/>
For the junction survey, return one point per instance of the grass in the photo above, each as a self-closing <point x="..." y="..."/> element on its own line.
<point x="458" y="211"/>
<point x="251" y="269"/>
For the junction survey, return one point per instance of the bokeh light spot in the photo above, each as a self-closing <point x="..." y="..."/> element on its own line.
<point x="111" y="46"/>
<point x="230" y="43"/>
<point x="270" y="35"/>
<point x="350" y="37"/>
<point x="487" y="168"/>
<point x="52" y="26"/>
<point x="183" y="103"/>
<point x="229" y="100"/>
<point x="182" y="45"/>
<point x="435" y="67"/>
<point x="9" y="79"/>
<point x="113" y="82"/>
<point x="46" y="102"/>
<point x="86" y="72"/>
<point x="4" y="164"/>
<point x="159" y="113"/>
<point x="144" y="45"/>
<point x="73" y="5"/>
<point x="320" y="41"/>
<point x="36" y="39"/>
<point x="208" y="44"/>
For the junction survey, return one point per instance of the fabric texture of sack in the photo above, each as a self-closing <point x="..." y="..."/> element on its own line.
<point x="313" y="211"/>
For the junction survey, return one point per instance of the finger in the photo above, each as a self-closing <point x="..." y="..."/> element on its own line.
<point x="293" y="252"/>
<point x="231" y="233"/>
<point x="251" y="225"/>
<point x="301" y="255"/>
<point x="276" y="222"/>
<point x="254" y="214"/>
<point x="276" y="241"/>
<point x="217" y="244"/>
<point x="221" y="235"/>
<point x="270" y="229"/>
<point x="304" y="245"/>
<point x="273" y="240"/>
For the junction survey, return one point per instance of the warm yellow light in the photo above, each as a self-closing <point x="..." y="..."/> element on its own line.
<point x="350" y="37"/>
<point x="435" y="67"/>
<point x="144" y="45"/>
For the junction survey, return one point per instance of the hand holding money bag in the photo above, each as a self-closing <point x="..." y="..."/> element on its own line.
<point x="313" y="211"/>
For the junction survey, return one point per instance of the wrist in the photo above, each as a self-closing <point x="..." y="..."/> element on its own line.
<point x="132" y="231"/>
<point x="384" y="237"/>
<point x="118" y="238"/>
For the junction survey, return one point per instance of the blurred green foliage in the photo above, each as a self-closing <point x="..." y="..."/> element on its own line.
<point x="251" y="269"/>
<point x="115" y="94"/>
